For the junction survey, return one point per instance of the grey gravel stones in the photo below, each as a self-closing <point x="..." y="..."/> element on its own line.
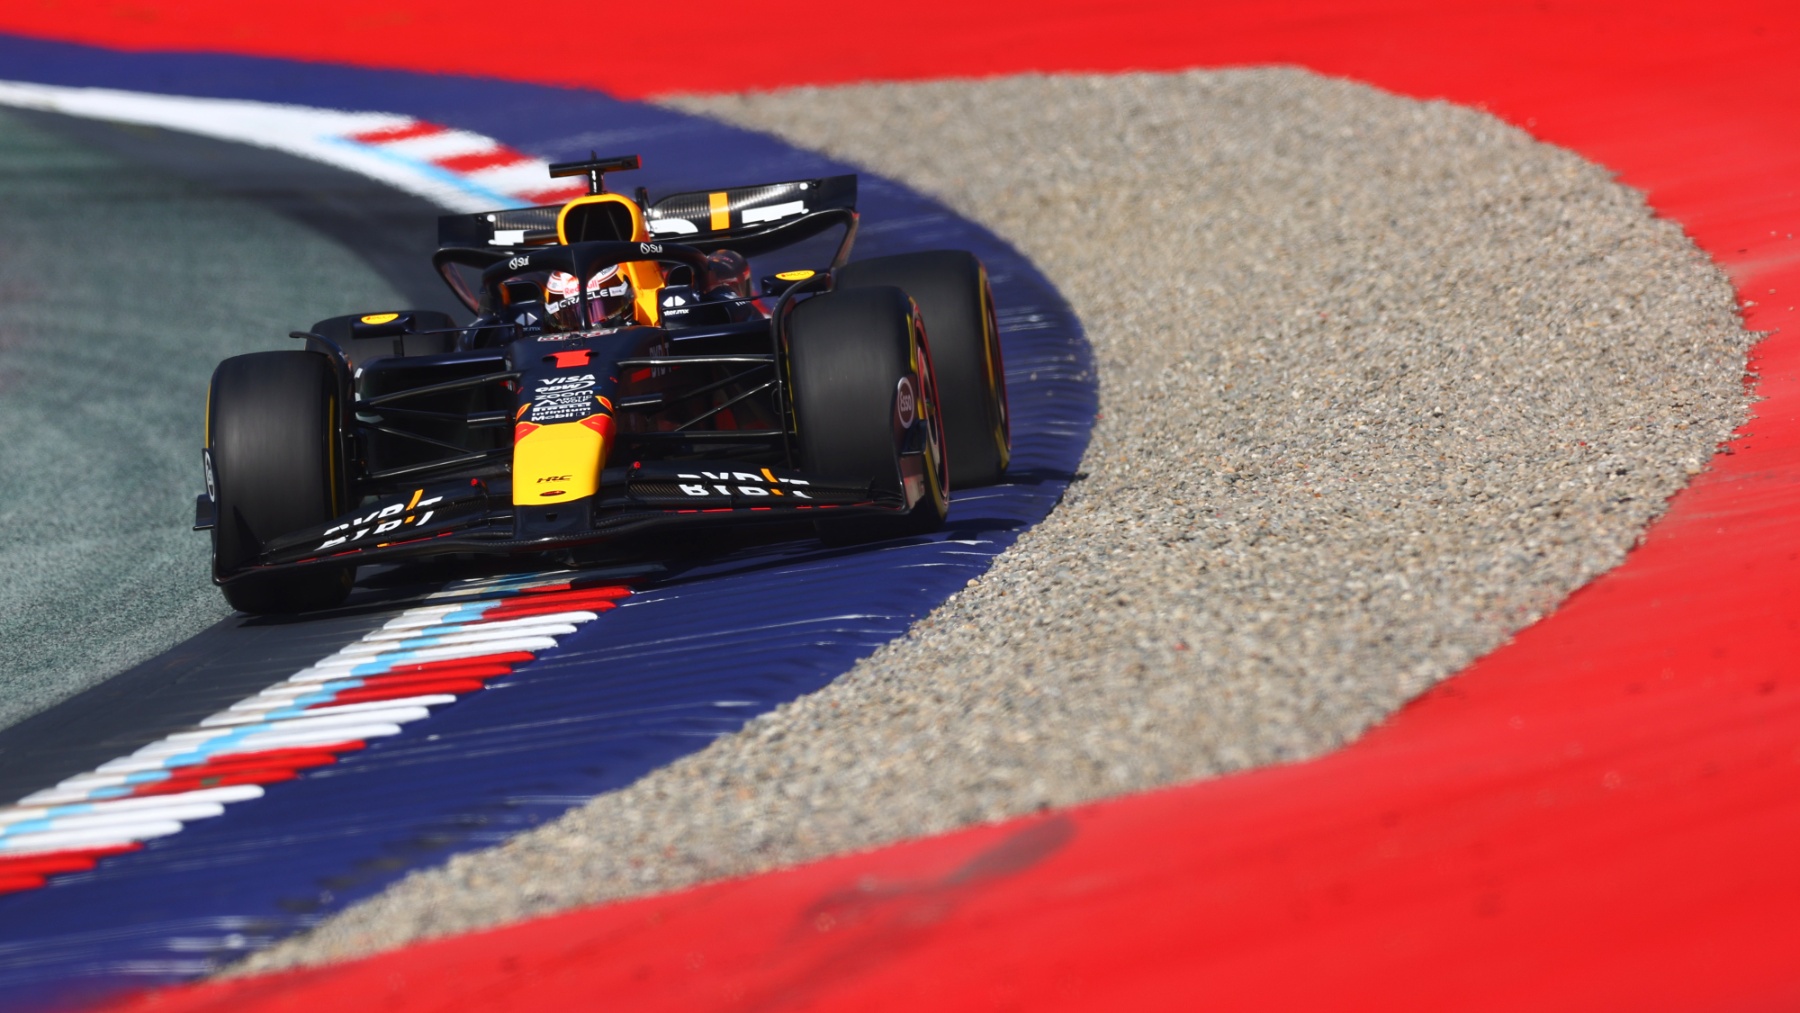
<point x="1381" y="380"/>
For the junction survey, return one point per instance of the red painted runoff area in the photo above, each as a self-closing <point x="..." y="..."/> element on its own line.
<point x="1603" y="814"/>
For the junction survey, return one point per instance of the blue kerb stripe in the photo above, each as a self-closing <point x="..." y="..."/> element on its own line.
<point x="411" y="642"/>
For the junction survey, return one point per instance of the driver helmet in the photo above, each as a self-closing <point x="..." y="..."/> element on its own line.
<point x="609" y="300"/>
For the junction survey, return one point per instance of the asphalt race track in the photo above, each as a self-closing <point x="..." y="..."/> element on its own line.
<point x="807" y="612"/>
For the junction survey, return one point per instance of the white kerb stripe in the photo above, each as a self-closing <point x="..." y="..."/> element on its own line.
<point x="234" y="793"/>
<point x="474" y="635"/>
<point x="339" y="667"/>
<point x="397" y="715"/>
<point x="446" y="143"/>
<point x="96" y="821"/>
<point x="62" y="840"/>
<point x="404" y="632"/>
<point x="249" y="715"/>
<point x="335" y="729"/>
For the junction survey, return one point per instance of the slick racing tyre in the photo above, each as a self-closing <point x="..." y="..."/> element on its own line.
<point x="951" y="288"/>
<point x="863" y="394"/>
<point x="272" y="436"/>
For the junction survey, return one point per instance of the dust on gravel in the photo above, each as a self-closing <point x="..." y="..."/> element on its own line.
<point x="1381" y="380"/>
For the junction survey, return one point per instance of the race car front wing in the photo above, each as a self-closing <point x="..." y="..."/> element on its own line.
<point x="473" y="516"/>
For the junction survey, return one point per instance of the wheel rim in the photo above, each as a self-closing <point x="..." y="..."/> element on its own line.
<point x="996" y="378"/>
<point x="936" y="453"/>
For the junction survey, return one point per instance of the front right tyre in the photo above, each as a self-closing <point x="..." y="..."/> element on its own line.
<point x="865" y="404"/>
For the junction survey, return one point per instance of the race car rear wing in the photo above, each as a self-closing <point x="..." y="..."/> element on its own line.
<point x="748" y="219"/>
<point x="746" y="211"/>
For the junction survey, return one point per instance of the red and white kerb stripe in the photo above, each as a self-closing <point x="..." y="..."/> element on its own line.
<point x="476" y="160"/>
<point x="423" y="658"/>
<point x="457" y="169"/>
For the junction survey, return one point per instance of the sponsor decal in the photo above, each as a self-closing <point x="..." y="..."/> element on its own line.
<point x="650" y="248"/>
<point x="795" y="275"/>
<point x="563" y="399"/>
<point x="742" y="483"/>
<point x="905" y="403"/>
<point x="212" y="483"/>
<point x="773" y="212"/>
<point x="563" y="408"/>
<point x="518" y="262"/>
<point x="381" y="521"/>
<point x="381" y="318"/>
<point x="672" y="227"/>
<point x="562" y="284"/>
<point x="571" y="382"/>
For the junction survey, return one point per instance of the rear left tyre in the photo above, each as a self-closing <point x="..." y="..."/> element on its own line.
<point x="957" y="304"/>
<point x="272" y="433"/>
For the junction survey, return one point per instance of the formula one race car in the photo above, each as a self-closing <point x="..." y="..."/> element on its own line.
<point x="621" y="375"/>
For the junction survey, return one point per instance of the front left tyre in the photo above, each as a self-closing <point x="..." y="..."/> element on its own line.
<point x="273" y="440"/>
